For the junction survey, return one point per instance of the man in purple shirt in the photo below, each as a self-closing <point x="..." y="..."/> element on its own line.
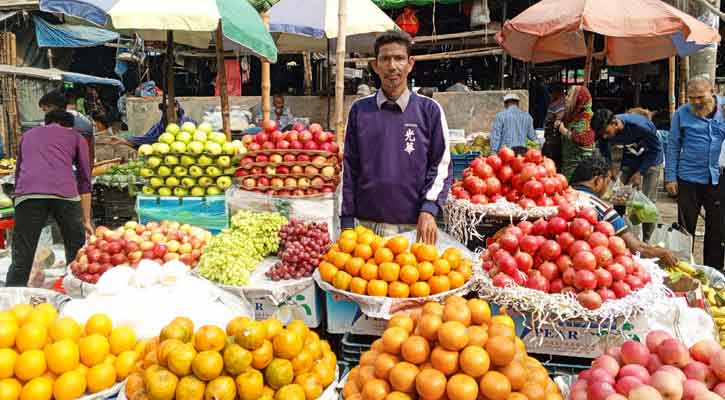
<point x="52" y="177"/>
<point x="397" y="165"/>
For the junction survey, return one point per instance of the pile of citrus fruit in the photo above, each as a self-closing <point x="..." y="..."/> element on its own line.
<point x="366" y="264"/>
<point x="249" y="360"/>
<point x="455" y="351"/>
<point x="44" y="357"/>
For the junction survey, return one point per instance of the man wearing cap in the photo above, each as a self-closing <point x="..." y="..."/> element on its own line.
<point x="512" y="126"/>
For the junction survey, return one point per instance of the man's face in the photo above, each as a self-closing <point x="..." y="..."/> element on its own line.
<point x="393" y="65"/>
<point x="700" y="99"/>
<point x="48" y="108"/>
<point x="278" y="103"/>
<point x="612" y="129"/>
<point x="600" y="185"/>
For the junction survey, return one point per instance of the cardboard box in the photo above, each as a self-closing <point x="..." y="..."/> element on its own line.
<point x="345" y="316"/>
<point x="305" y="305"/>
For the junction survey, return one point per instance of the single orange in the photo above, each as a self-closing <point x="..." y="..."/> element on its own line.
<point x="398" y="289"/>
<point x="378" y="243"/>
<point x="409" y="274"/>
<point x="402" y="320"/>
<point x="466" y="271"/>
<point x="419" y="289"/>
<point x="383" y="254"/>
<point x="453" y="335"/>
<point x="369" y="272"/>
<point x="340" y="259"/>
<point x="398" y="244"/>
<point x="495" y="386"/>
<point x="434" y="308"/>
<point x="358" y="285"/>
<point x="348" y="234"/>
<point x="501" y="350"/>
<point x="430" y="384"/>
<point x="329" y="256"/>
<point x="366" y="237"/>
<point x="327" y="271"/>
<point x="444" y="360"/>
<point x="406" y="259"/>
<point x="439" y="284"/>
<point x="428" y="326"/>
<point x="480" y="311"/>
<point x="377" y="389"/>
<point x="474" y="361"/>
<point x="425" y="270"/>
<point x="347" y="245"/>
<point x="462" y="387"/>
<point x="389" y="271"/>
<point x="516" y="374"/>
<point x="453" y="256"/>
<point x="341" y="280"/>
<point x="353" y="265"/>
<point x="415" y="349"/>
<point x="427" y="252"/>
<point x="363" y="250"/>
<point x="457" y="312"/>
<point x="402" y="377"/>
<point x="383" y="364"/>
<point x="477" y="335"/>
<point x="393" y="339"/>
<point x="441" y="267"/>
<point x="456" y="278"/>
<point x="377" y="287"/>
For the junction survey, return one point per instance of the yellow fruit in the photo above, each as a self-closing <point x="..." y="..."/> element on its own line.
<point x="100" y="377"/>
<point x="236" y="359"/>
<point x="274" y="326"/>
<point x="176" y="331"/>
<point x="122" y="338"/>
<point x="165" y="348"/>
<point x="69" y="386"/>
<point x="125" y="363"/>
<point x="31" y="336"/>
<point x="8" y="333"/>
<point x="62" y="356"/>
<point x="39" y="317"/>
<point x="21" y="312"/>
<point x="311" y="385"/>
<point x="8" y="357"/>
<point x="65" y="328"/>
<point x="290" y="392"/>
<point x="210" y="337"/>
<point x="100" y="324"/>
<point x="7" y="316"/>
<point x="82" y="369"/>
<point x="287" y="344"/>
<point x="279" y="373"/>
<point x="37" y="389"/>
<point x="141" y="347"/>
<point x="10" y="389"/>
<point x="110" y="359"/>
<point x="190" y="388"/>
<point x="252" y="336"/>
<point x="221" y="388"/>
<point x="161" y="384"/>
<point x="207" y="365"/>
<point x="303" y="361"/>
<point x="49" y="310"/>
<point x="180" y="358"/>
<point x="250" y="385"/>
<point x="29" y="365"/>
<point x="93" y="349"/>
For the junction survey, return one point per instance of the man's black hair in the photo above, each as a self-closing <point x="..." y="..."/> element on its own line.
<point x="601" y="119"/>
<point x="590" y="168"/>
<point x="388" y="37"/>
<point x="55" y="99"/>
<point x="60" y="117"/>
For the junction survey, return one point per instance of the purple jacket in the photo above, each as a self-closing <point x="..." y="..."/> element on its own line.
<point x="397" y="160"/>
<point x="46" y="157"/>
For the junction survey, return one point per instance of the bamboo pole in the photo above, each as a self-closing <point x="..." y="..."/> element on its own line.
<point x="672" y="101"/>
<point x="307" y="62"/>
<point x="684" y="77"/>
<point x="340" y="76"/>
<point x="170" y="105"/>
<point x="588" y="62"/>
<point x="266" y="84"/>
<point x="222" y="74"/>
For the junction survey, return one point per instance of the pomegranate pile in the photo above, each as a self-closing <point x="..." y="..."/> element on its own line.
<point x="661" y="368"/>
<point x="529" y="181"/>
<point x="571" y="252"/>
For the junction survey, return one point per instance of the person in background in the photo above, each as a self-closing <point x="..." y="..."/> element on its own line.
<point x="577" y="134"/>
<point x="57" y="101"/>
<point x="459" y="86"/>
<point x="692" y="169"/>
<point x="555" y="112"/>
<point x="426" y="91"/>
<point x="591" y="179"/>
<point x="643" y="156"/>
<point x="397" y="166"/>
<point x="512" y="126"/>
<point x="52" y="178"/>
<point x="152" y="135"/>
<point x="280" y="112"/>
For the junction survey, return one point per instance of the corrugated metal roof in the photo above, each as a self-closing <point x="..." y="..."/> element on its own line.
<point x="30" y="72"/>
<point x="18" y="4"/>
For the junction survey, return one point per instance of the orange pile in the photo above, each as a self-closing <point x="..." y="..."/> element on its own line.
<point x="250" y="360"/>
<point x="44" y="357"/>
<point x="364" y="263"/>
<point x="456" y="351"/>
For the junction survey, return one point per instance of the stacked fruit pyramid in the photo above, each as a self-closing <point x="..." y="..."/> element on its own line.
<point x="251" y="360"/>
<point x="44" y="357"/>
<point x="189" y="160"/>
<point x="454" y="351"/>
<point x="364" y="263"/>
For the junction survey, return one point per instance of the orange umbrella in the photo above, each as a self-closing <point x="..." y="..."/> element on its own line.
<point x="635" y="31"/>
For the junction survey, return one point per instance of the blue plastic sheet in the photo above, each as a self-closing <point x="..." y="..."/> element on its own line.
<point x="65" y="35"/>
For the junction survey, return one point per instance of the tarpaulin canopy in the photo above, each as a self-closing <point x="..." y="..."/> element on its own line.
<point x="65" y="35"/>
<point x="403" y="3"/>
<point x="635" y="31"/>
<point x="54" y="74"/>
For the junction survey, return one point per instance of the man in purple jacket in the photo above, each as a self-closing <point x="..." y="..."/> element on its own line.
<point x="397" y="164"/>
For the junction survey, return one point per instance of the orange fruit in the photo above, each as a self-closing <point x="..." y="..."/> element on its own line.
<point x="100" y="377"/>
<point x="462" y="387"/>
<point x="21" y="312"/>
<point x="311" y="385"/>
<point x="287" y="344"/>
<point x="122" y="339"/>
<point x="425" y="270"/>
<point x="398" y="244"/>
<point x="64" y="328"/>
<point x="501" y="350"/>
<point x="398" y="289"/>
<point x="501" y="330"/>
<point x="358" y="285"/>
<point x="238" y="323"/>
<point x="100" y="324"/>
<point x="340" y="259"/>
<point x="69" y="386"/>
<point x="165" y="348"/>
<point x="409" y="274"/>
<point x="457" y="312"/>
<point x="8" y="333"/>
<point x="430" y="384"/>
<point x="428" y="326"/>
<point x="347" y="245"/>
<point x="125" y="364"/>
<point x="376" y="389"/>
<point x="236" y="360"/>
<point x="402" y="377"/>
<point x="210" y="337"/>
<point x="444" y="360"/>
<point x="93" y="349"/>
<point x="457" y="279"/>
<point x="377" y="288"/>
<point x="495" y="386"/>
<point x="10" y="389"/>
<point x="251" y="338"/>
<point x="453" y="255"/>
<point x="341" y="280"/>
<point x="62" y="356"/>
<point x="474" y="361"/>
<point x="207" y="365"/>
<point x="516" y="375"/>
<point x="383" y="254"/>
<point x="366" y="237"/>
<point x="477" y="335"/>
<point x="273" y="326"/>
<point x="402" y="320"/>
<point x="480" y="311"/>
<point x="383" y="364"/>
<point x="365" y="374"/>
<point x="37" y="389"/>
<point x="439" y="284"/>
<point x="348" y="234"/>
<point x="30" y="364"/>
<point x="262" y="356"/>
<point x="327" y="271"/>
<point x="415" y="349"/>
<point x="369" y="272"/>
<point x="353" y="266"/>
<point x="427" y="252"/>
<point x="393" y="339"/>
<point x="368" y="358"/>
<point x="8" y="357"/>
<point x="185" y="322"/>
<point x="537" y="375"/>
<point x="466" y="271"/>
<point x="419" y="289"/>
<point x="31" y="336"/>
<point x="388" y="271"/>
<point x="377" y="243"/>
<point x="433" y="308"/>
<point x="377" y="345"/>
<point x="363" y="251"/>
<point x="250" y="385"/>
<point x="406" y="259"/>
<point x="441" y="267"/>
<point x="453" y="335"/>
<point x="503" y="320"/>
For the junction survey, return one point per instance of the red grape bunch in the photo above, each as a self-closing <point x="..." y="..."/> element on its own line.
<point x="301" y="249"/>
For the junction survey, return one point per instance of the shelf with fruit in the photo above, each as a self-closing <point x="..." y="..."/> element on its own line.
<point x="44" y="356"/>
<point x="299" y="138"/>
<point x="457" y="350"/>
<point x="287" y="182"/>
<point x="299" y="164"/>
<point x="249" y="360"/>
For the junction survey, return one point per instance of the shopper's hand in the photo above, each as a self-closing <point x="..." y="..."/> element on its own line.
<point x="90" y="230"/>
<point x="667" y="258"/>
<point x="636" y="179"/>
<point x="671" y="188"/>
<point x="427" y="228"/>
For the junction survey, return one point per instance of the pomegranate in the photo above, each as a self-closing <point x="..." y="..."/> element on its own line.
<point x="557" y="225"/>
<point x="567" y="211"/>
<point x="616" y="353"/>
<point x="667" y="384"/>
<point x="605" y="228"/>
<point x="673" y="352"/>
<point x="604" y="278"/>
<point x="598" y="239"/>
<point x="634" y="353"/>
<point x="580" y="228"/>
<point x="589" y="214"/>
<point x="524" y="261"/>
<point x="589" y="299"/>
<point x="549" y="270"/>
<point x="584" y="260"/>
<point x="585" y="279"/>
<point x="550" y="250"/>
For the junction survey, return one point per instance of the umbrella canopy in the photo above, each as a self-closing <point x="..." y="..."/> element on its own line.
<point x="635" y="31"/>
<point x="194" y="22"/>
<point x="306" y="25"/>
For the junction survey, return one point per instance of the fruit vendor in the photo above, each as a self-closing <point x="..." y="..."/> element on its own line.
<point x="280" y="112"/>
<point x="591" y="179"/>
<point x="512" y="126"/>
<point x="397" y="164"/>
<point x="52" y="177"/>
<point x="643" y="156"/>
<point x="152" y="135"/>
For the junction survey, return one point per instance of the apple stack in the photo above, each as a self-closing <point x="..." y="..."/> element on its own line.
<point x="300" y="162"/>
<point x="189" y="161"/>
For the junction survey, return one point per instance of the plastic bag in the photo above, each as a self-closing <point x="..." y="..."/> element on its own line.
<point x="642" y="210"/>
<point x="480" y="14"/>
<point x="208" y="212"/>
<point x="5" y="201"/>
<point x="44" y="258"/>
<point x="675" y="238"/>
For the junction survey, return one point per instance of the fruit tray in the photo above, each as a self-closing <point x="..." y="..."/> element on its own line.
<point x="289" y="164"/>
<point x="325" y="154"/>
<point x="326" y="182"/>
<point x="186" y="176"/>
<point x="177" y="154"/>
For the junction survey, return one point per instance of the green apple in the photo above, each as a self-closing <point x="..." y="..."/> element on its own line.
<point x="218" y="137"/>
<point x="205" y="181"/>
<point x="164" y="191"/>
<point x="178" y="147"/>
<point x="223" y="161"/>
<point x="153" y="162"/>
<point x="205" y="160"/>
<point x="161" y="148"/>
<point x="196" y="170"/>
<point x="156" y="182"/>
<point x="148" y="191"/>
<point x="188" y="127"/>
<point x="184" y="137"/>
<point x="180" y="192"/>
<point x="145" y="150"/>
<point x="224" y="182"/>
<point x="230" y="170"/>
<point x="172" y="129"/>
<point x="171" y="161"/>
<point x="172" y="181"/>
<point x="188" y="182"/>
<point x="205" y="127"/>
<point x="187" y="160"/>
<point x="146" y="172"/>
<point x="167" y="138"/>
<point x="199" y="136"/>
<point x="212" y="191"/>
<point x="196" y="147"/>
<point x="213" y="148"/>
<point x="228" y="148"/>
<point x="180" y="171"/>
<point x="213" y="170"/>
<point x="164" y="171"/>
<point x="197" y="191"/>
